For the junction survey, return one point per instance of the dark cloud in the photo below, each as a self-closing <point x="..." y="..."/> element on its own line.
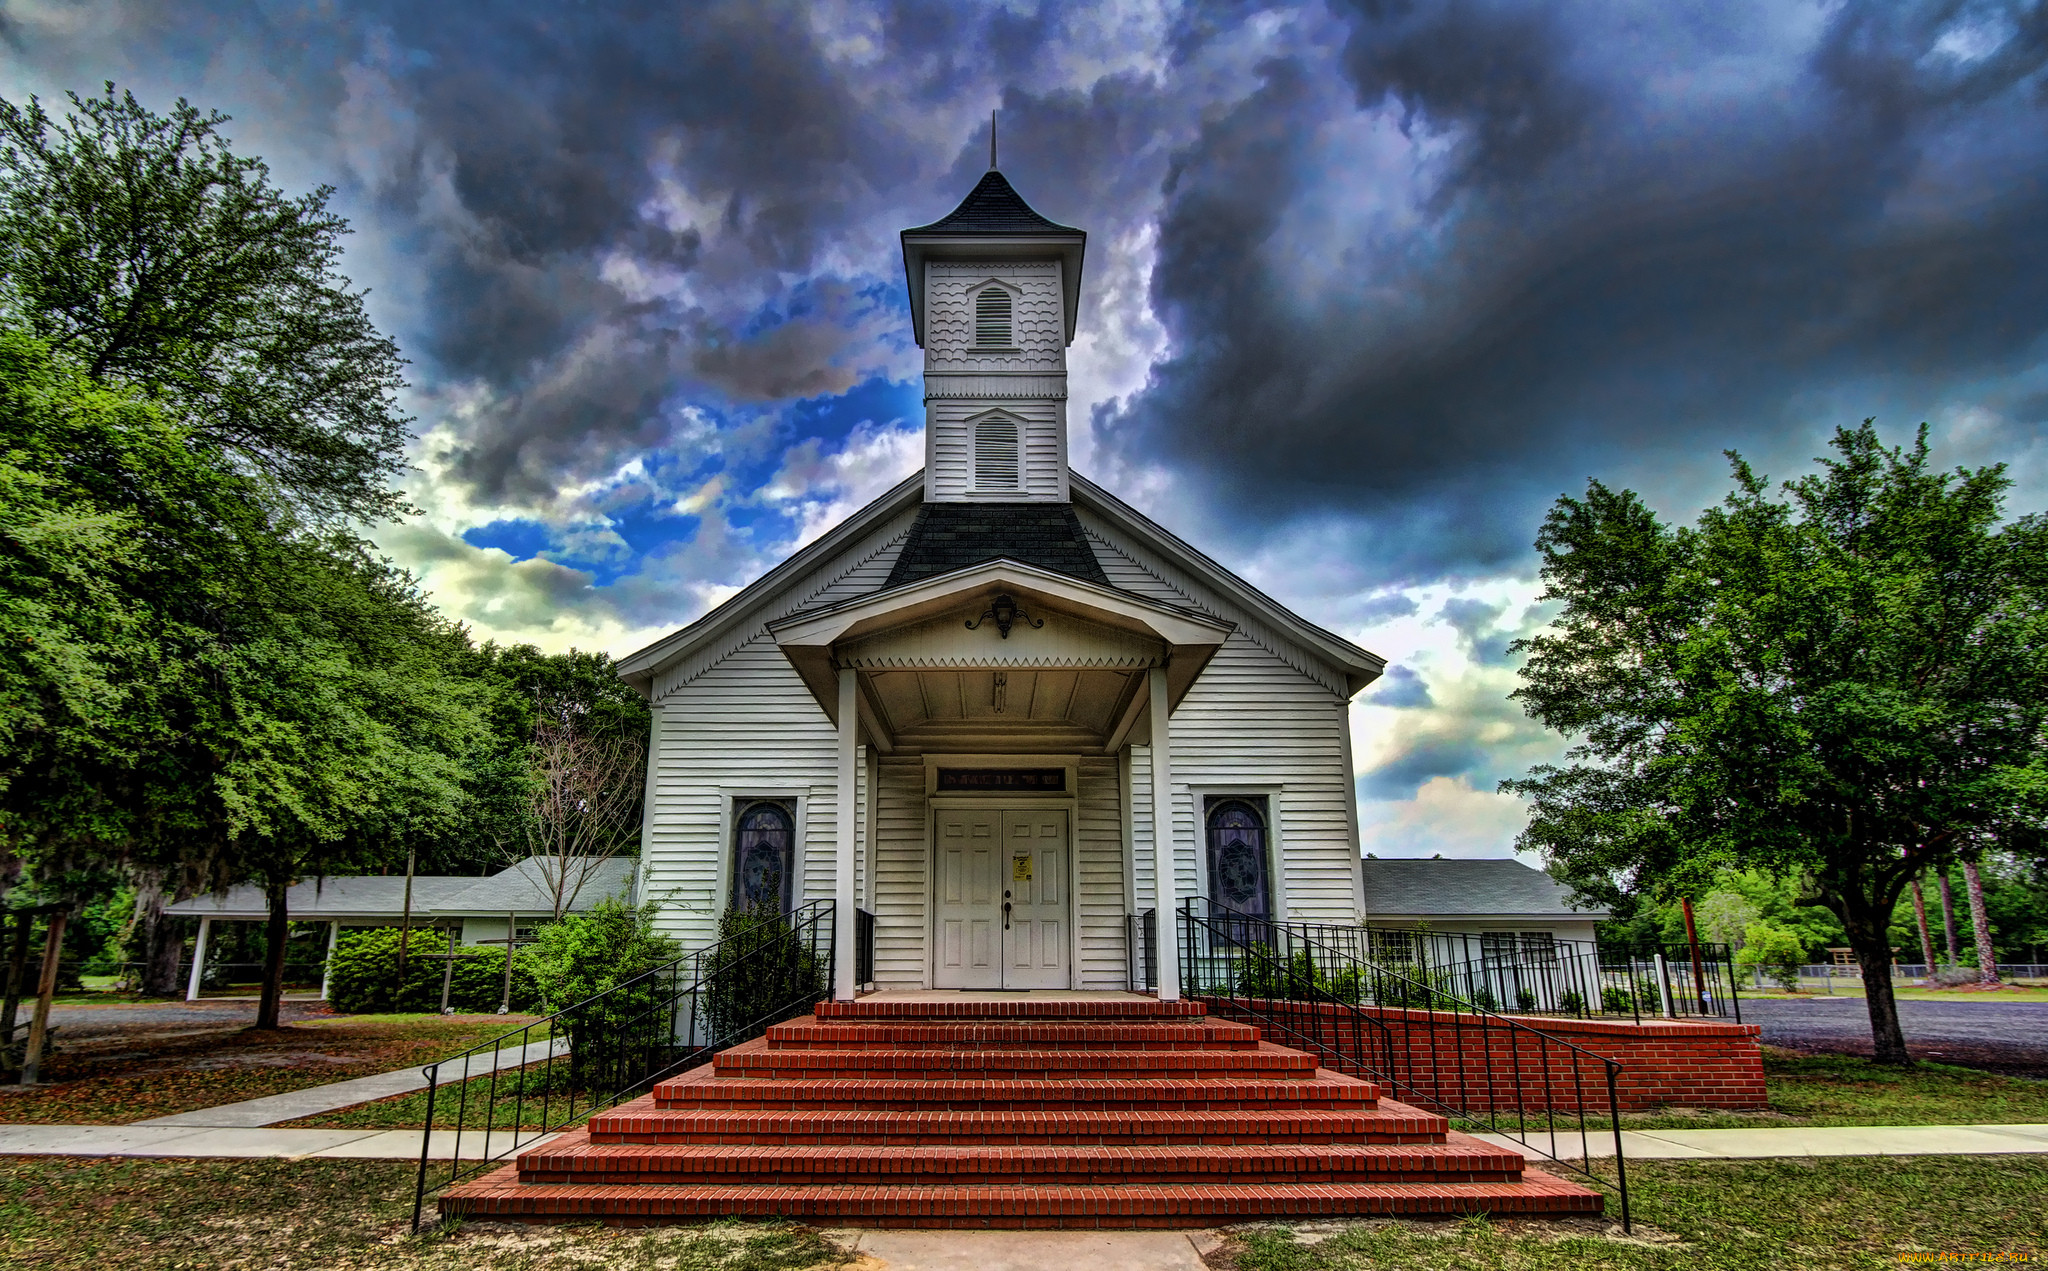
<point x="1478" y="626"/>
<point x="1640" y="239"/>
<point x="1400" y="688"/>
<point x="1437" y="757"/>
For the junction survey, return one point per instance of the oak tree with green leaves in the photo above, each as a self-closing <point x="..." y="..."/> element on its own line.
<point x="1843" y="680"/>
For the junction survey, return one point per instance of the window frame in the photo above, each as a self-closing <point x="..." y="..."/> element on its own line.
<point x="733" y="805"/>
<point x="1016" y="427"/>
<point x="1261" y="806"/>
<point x="1010" y="295"/>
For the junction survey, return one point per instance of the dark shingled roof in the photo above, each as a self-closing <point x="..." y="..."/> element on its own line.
<point x="993" y="207"/>
<point x="950" y="536"/>
<point x="1449" y="888"/>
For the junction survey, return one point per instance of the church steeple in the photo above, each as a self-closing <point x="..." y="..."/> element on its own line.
<point x="995" y="293"/>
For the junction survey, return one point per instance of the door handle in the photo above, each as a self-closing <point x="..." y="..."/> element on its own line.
<point x="1006" y="915"/>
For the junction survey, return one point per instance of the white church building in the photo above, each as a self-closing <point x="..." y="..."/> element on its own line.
<point x="988" y="706"/>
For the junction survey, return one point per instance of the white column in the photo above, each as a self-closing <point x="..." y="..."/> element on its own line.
<point x="327" y="967"/>
<point x="198" y="959"/>
<point x="1165" y="881"/>
<point x="847" y="829"/>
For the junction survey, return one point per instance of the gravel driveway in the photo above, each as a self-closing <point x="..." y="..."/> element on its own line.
<point x="2006" y="1037"/>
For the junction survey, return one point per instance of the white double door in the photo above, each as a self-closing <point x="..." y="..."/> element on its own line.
<point x="1001" y="899"/>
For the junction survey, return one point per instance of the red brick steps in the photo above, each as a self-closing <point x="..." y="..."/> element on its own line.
<point x="502" y="1196"/>
<point x="1027" y="1112"/>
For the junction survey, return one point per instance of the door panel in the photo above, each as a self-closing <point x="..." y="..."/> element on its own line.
<point x="1035" y="877"/>
<point x="969" y="911"/>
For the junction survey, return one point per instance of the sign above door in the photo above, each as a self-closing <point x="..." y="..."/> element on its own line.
<point x="1002" y="780"/>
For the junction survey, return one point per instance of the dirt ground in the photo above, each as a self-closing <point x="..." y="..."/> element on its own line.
<point x="118" y="1063"/>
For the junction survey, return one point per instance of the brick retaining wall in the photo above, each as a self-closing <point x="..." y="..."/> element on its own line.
<point x="1470" y="1062"/>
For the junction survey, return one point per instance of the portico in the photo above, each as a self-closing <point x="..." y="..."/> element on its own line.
<point x="995" y="679"/>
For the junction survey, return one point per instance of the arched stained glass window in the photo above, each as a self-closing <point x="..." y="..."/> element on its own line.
<point x="992" y="318"/>
<point x="764" y="856"/>
<point x="1238" y="868"/>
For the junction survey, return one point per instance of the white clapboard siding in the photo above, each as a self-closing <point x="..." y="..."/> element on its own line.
<point x="1264" y="715"/>
<point x="1099" y="874"/>
<point x="750" y="726"/>
<point x="901" y="919"/>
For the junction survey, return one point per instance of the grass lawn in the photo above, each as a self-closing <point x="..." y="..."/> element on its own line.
<point x="540" y="1104"/>
<point x="157" y="1077"/>
<point x="1792" y="1215"/>
<point x="1854" y="988"/>
<point x="1846" y="1090"/>
<point x="128" y="1215"/>
<point x="1831" y="1215"/>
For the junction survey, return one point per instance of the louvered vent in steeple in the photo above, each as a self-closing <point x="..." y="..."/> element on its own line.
<point x="992" y="319"/>
<point x="995" y="453"/>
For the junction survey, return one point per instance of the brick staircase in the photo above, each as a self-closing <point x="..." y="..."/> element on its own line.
<point x="1118" y="1112"/>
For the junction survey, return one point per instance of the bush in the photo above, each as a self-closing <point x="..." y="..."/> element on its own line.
<point x="603" y="953"/>
<point x="365" y="975"/>
<point x="759" y="974"/>
<point x="1572" y="1002"/>
<point x="1483" y="998"/>
<point x="1525" y="999"/>
<point x="1778" y="952"/>
<point x="1616" y="1001"/>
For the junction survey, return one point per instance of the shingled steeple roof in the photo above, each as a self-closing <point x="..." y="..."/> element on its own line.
<point x="993" y="206"/>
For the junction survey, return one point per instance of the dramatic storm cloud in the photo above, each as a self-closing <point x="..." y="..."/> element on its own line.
<point x="1368" y="284"/>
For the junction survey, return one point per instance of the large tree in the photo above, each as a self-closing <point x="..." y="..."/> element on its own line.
<point x="143" y="248"/>
<point x="1842" y="680"/>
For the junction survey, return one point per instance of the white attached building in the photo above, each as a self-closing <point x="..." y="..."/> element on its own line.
<point x="959" y="709"/>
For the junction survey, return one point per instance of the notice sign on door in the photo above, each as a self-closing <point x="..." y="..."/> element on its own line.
<point x="1020" y="869"/>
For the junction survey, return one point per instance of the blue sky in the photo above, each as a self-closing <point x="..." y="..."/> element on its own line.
<point x="1369" y="284"/>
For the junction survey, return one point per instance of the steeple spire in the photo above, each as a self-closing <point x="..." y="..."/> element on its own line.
<point x="992" y="140"/>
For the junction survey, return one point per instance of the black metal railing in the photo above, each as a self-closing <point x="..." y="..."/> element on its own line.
<point x="1141" y="951"/>
<point x="1409" y="1032"/>
<point x="562" y="1068"/>
<point x="863" y="948"/>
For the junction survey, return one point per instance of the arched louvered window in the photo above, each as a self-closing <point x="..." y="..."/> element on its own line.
<point x="1237" y="856"/>
<point x="992" y="319"/>
<point x="995" y="453"/>
<point x="764" y="855"/>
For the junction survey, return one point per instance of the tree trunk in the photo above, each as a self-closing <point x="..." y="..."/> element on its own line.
<point x="1869" y="936"/>
<point x="46" y="988"/>
<point x="1948" y="916"/>
<point x="1987" y="956"/>
<point x="1920" y="916"/>
<point x="275" y="932"/>
<point x="17" y="972"/>
<point x="157" y="945"/>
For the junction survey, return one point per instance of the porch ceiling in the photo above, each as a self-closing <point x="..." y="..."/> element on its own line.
<point x="936" y="670"/>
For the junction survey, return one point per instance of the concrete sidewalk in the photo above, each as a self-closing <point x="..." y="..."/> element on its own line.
<point x="217" y="1141"/>
<point x="337" y="1095"/>
<point x="1842" y="1140"/>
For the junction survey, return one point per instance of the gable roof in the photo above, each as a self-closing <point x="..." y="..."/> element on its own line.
<point x="351" y="896"/>
<point x="1360" y="667"/>
<point x="1436" y="888"/>
<point x="993" y="206"/>
<point x="952" y="536"/>
<point x="1357" y="666"/>
<point x="524" y="888"/>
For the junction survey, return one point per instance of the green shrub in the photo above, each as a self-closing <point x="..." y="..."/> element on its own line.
<point x="364" y="978"/>
<point x="760" y="973"/>
<point x="1778" y="952"/>
<point x="1572" y="1002"/>
<point x="1483" y="998"/>
<point x="1525" y="999"/>
<point x="1616" y="1001"/>
<point x="602" y="954"/>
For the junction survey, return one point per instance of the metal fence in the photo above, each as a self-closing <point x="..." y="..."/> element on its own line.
<point x="562" y="1068"/>
<point x="1414" y="1037"/>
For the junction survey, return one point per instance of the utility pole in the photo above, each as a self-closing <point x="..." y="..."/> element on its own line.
<point x="1692" y="940"/>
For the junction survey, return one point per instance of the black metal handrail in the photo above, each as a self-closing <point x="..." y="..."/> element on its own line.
<point x="1366" y="1020"/>
<point x="1141" y="951"/>
<point x="863" y="948"/>
<point x="597" y="1052"/>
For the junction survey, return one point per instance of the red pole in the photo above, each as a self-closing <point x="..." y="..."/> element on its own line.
<point x="1692" y="939"/>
